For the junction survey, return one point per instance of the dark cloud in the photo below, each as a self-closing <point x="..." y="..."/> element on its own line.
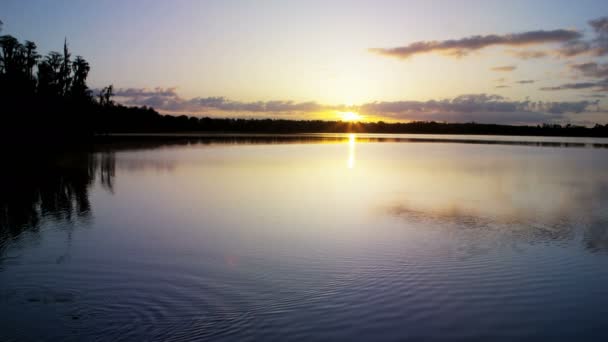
<point x="525" y="81"/>
<point x="563" y="107"/>
<point x="463" y="103"/>
<point x="504" y="68"/>
<point x="581" y="85"/>
<point x="476" y="103"/>
<point x="592" y="69"/>
<point x="461" y="47"/>
<point x="600" y="26"/>
<point x="476" y="107"/>
<point x="597" y="46"/>
<point x="481" y="108"/>
<point x="599" y="86"/>
<point x="502" y="86"/>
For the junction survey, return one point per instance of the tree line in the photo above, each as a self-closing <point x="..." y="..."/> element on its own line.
<point x="47" y="97"/>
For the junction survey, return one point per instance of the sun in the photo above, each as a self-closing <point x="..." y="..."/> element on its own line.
<point x="350" y="116"/>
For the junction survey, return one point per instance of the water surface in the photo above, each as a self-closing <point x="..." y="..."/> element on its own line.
<point x="309" y="238"/>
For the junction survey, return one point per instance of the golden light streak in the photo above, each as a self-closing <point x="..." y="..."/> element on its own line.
<point x="351" y="150"/>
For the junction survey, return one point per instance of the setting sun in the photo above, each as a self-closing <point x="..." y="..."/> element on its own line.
<point x="350" y="116"/>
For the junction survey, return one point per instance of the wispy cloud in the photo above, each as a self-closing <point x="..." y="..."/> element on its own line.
<point x="504" y="68"/>
<point x="525" y="81"/>
<point x="599" y="86"/>
<point x="593" y="70"/>
<point x="145" y="92"/>
<point x="571" y="43"/>
<point x="464" y="46"/>
<point x="528" y="54"/>
<point x="502" y="86"/>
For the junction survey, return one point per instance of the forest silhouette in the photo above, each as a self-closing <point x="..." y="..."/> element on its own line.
<point x="46" y="98"/>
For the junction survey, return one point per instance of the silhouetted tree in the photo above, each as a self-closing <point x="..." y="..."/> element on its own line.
<point x="105" y="96"/>
<point x="81" y="70"/>
<point x="31" y="59"/>
<point x="49" y="75"/>
<point x="65" y="71"/>
<point x="9" y="58"/>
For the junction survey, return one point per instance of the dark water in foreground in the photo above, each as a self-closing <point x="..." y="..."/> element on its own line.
<point x="342" y="238"/>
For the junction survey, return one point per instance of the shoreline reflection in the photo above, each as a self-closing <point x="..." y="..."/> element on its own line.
<point x="52" y="187"/>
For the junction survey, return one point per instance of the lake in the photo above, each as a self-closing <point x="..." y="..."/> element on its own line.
<point x="310" y="237"/>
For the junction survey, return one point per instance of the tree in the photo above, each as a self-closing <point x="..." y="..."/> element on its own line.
<point x="81" y="70"/>
<point x="9" y="48"/>
<point x="105" y="96"/>
<point x="65" y="71"/>
<point x="49" y="75"/>
<point x="31" y="58"/>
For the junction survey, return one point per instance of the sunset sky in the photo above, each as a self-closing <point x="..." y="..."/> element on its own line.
<point x="519" y="62"/>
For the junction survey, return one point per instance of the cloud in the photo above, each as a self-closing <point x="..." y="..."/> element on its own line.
<point x="571" y="43"/>
<point x="167" y="99"/>
<point x="598" y="46"/>
<point x="525" y="81"/>
<point x="591" y="69"/>
<point x="600" y="26"/>
<point x="500" y="80"/>
<point x="574" y="48"/>
<point x="144" y="92"/>
<point x="528" y="54"/>
<point x="483" y="108"/>
<point x="464" y="46"/>
<point x="565" y="107"/>
<point x="224" y="104"/>
<point x="505" y="68"/>
<point x="581" y="85"/>
<point x="502" y="86"/>
<point x="475" y="103"/>
<point x="599" y="86"/>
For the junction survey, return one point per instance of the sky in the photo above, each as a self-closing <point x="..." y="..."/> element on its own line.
<point x="516" y="62"/>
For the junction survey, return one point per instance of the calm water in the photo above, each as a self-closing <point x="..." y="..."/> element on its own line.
<point x="311" y="238"/>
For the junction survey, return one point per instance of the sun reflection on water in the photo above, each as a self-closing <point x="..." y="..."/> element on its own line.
<point x="351" y="150"/>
